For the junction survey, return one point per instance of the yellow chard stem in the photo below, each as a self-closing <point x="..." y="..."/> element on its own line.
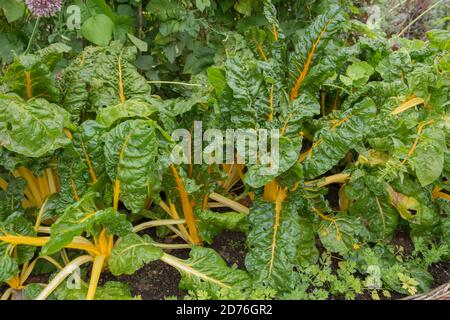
<point x="32" y="184"/>
<point x="95" y="276"/>
<point x="414" y="101"/>
<point x="186" y="206"/>
<point x="6" y="294"/>
<point x="62" y="275"/>
<point x="51" y="181"/>
<point x="121" y="92"/>
<point x="89" y="163"/>
<point x="3" y="184"/>
<point x="229" y="203"/>
<point x="27" y="271"/>
<point x="155" y="223"/>
<point x="39" y="217"/>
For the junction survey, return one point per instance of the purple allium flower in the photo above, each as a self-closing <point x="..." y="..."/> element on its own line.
<point x="43" y="8"/>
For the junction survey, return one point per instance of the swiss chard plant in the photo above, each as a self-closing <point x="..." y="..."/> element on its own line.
<point x="87" y="147"/>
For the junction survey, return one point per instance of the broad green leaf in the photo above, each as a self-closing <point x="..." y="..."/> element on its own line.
<point x="32" y="75"/>
<point x="371" y="203"/>
<point x="307" y="251"/>
<point x="141" y="45"/>
<point x="342" y="235"/>
<point x="44" y="127"/>
<point x="439" y="39"/>
<point x="131" y="253"/>
<point x="428" y="158"/>
<point x="217" y="79"/>
<point x="8" y="268"/>
<point x="212" y="223"/>
<point x="206" y="270"/>
<point x="133" y="108"/>
<point x="88" y="141"/>
<point x="273" y="242"/>
<point x="98" y="29"/>
<point x="202" y="4"/>
<point x="332" y="142"/>
<point x="111" y="290"/>
<point x="130" y="154"/>
<point x="98" y="76"/>
<point x="258" y="175"/>
<point x="357" y="74"/>
<point x="83" y="216"/>
<point x="13" y="9"/>
<point x="11" y="199"/>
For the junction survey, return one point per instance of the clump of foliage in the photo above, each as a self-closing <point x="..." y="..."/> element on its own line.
<point x="86" y="146"/>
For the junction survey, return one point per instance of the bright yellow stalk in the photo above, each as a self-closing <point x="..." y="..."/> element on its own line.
<point x="88" y="161"/>
<point x="117" y="181"/>
<point x="304" y="72"/>
<point x="28" y="84"/>
<point x="336" y="178"/>
<point x="156" y="223"/>
<point x="97" y="268"/>
<point x="414" y="101"/>
<point x="273" y="192"/>
<point x="271" y="103"/>
<point x="40" y="214"/>
<point x="51" y="181"/>
<point x="229" y="203"/>
<point x="261" y="51"/>
<point x="419" y="131"/>
<point x="332" y="220"/>
<point x="62" y="275"/>
<point x="3" y="184"/>
<point x="182" y="228"/>
<point x="186" y="206"/>
<point x="77" y="242"/>
<point x="121" y="92"/>
<point x="32" y="184"/>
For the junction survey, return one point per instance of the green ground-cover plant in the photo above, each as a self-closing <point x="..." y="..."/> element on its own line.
<point x="86" y="149"/>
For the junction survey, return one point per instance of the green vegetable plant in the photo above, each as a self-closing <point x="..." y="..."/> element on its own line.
<point x="87" y="162"/>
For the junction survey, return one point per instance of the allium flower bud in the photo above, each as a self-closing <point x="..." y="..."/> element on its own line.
<point x="43" y="8"/>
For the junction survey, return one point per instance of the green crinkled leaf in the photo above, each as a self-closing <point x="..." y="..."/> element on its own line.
<point x="133" y="108"/>
<point x="371" y="203"/>
<point x="341" y="236"/>
<point x="131" y="253"/>
<point x="428" y="157"/>
<point x="259" y="174"/>
<point x="130" y="155"/>
<point x="91" y="81"/>
<point x="439" y="39"/>
<point x="357" y="74"/>
<point x="11" y="199"/>
<point x="273" y="244"/>
<point x="88" y="141"/>
<point x="394" y="65"/>
<point x="32" y="75"/>
<point x="307" y="251"/>
<point x="43" y="131"/>
<point x="216" y="77"/>
<point x="8" y="268"/>
<point x="212" y="223"/>
<point x="83" y="216"/>
<point x="245" y="85"/>
<point x="206" y="270"/>
<point x="17" y="224"/>
<point x="331" y="144"/>
<point x="112" y="290"/>
<point x="295" y="114"/>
